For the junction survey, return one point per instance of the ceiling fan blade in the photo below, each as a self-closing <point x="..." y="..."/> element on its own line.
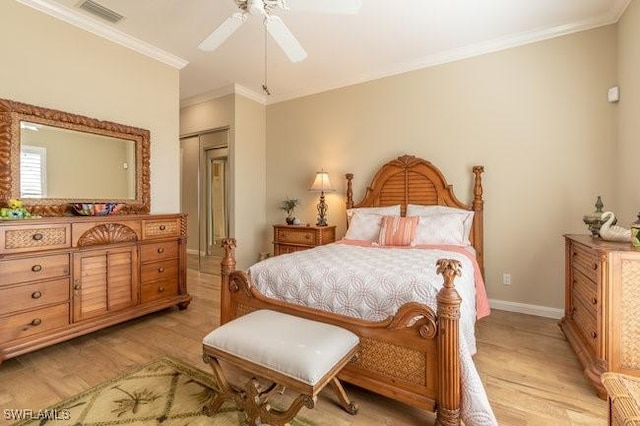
<point x="285" y="39"/>
<point x="349" y="7"/>
<point x="223" y="32"/>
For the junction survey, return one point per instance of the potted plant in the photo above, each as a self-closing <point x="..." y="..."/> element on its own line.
<point x="289" y="206"/>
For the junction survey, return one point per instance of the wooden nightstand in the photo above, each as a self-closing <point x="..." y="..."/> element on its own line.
<point x="290" y="238"/>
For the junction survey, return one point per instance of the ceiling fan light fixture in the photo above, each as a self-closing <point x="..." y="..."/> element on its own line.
<point x="255" y="7"/>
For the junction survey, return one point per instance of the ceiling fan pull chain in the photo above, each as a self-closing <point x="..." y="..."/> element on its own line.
<point x="264" y="86"/>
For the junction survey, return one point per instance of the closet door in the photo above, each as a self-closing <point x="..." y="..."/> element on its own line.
<point x="104" y="281"/>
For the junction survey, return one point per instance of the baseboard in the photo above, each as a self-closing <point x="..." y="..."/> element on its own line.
<point x="523" y="308"/>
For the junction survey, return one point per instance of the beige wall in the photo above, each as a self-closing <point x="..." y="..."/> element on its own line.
<point x="247" y="150"/>
<point x="629" y="115"/>
<point x="52" y="64"/>
<point x="536" y="117"/>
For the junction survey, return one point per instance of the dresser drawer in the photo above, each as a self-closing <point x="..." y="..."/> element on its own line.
<point x="34" y="268"/>
<point x="305" y="236"/>
<point x="158" y="251"/>
<point x="34" y="322"/>
<point x="585" y="289"/>
<point x="159" y="271"/>
<point x="586" y="323"/>
<point x="161" y="228"/>
<point x="31" y="296"/>
<point x="158" y="290"/>
<point x="25" y="238"/>
<point x="585" y="260"/>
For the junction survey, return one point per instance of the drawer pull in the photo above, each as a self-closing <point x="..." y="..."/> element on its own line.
<point x="76" y="285"/>
<point x="161" y="269"/>
<point x="36" y="295"/>
<point x="162" y="227"/>
<point x="595" y="266"/>
<point x="160" y="289"/>
<point x="594" y="300"/>
<point x="37" y="236"/>
<point x="594" y="334"/>
<point x="307" y="237"/>
<point x="36" y="322"/>
<point x="36" y="268"/>
<point x="161" y="250"/>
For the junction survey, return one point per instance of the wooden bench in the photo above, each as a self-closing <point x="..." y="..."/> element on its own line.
<point x="289" y="351"/>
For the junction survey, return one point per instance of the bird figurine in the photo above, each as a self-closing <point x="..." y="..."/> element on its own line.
<point x="611" y="232"/>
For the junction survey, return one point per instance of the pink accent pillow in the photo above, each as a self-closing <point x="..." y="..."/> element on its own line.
<point x="397" y="231"/>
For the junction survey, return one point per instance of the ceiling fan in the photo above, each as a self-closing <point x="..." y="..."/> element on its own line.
<point x="274" y="25"/>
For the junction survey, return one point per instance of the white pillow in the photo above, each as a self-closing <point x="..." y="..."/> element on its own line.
<point x="424" y="211"/>
<point x="365" y="227"/>
<point x="382" y="211"/>
<point x="447" y="229"/>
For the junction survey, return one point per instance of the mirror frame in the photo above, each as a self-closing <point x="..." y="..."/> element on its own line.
<point x="12" y="112"/>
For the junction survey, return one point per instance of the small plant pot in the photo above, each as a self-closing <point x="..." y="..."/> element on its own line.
<point x="290" y="220"/>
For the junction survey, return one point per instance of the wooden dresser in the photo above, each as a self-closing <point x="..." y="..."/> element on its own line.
<point x="290" y="238"/>
<point x="62" y="277"/>
<point x="602" y="306"/>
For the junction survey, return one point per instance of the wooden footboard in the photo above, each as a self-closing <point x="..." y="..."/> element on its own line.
<point x="412" y="357"/>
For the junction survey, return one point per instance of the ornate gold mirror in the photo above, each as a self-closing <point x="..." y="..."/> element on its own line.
<point x="51" y="159"/>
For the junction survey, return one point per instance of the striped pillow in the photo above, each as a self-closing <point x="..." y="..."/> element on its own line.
<point x="397" y="231"/>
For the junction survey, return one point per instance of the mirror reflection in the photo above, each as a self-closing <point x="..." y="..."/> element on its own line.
<point x="58" y="163"/>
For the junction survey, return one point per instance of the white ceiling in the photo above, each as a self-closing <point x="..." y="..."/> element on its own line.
<point x="387" y="37"/>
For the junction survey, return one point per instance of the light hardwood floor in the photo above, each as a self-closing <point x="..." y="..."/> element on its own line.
<point x="530" y="373"/>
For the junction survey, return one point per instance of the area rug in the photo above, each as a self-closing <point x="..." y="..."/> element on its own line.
<point x="164" y="392"/>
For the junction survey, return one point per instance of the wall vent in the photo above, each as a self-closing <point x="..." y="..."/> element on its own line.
<point x="100" y="11"/>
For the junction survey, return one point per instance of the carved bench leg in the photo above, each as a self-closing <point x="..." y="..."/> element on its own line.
<point x="225" y="391"/>
<point x="253" y="401"/>
<point x="349" y="406"/>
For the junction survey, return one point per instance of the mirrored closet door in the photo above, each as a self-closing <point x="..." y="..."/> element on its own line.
<point x="204" y="197"/>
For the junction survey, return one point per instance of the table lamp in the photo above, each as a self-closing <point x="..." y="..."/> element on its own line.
<point x="322" y="184"/>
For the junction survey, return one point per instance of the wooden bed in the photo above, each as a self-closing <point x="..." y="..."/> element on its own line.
<point x="428" y="375"/>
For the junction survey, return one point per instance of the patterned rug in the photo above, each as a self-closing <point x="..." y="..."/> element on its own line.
<point x="164" y="392"/>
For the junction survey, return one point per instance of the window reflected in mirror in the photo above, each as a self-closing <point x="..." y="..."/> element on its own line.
<point x="61" y="163"/>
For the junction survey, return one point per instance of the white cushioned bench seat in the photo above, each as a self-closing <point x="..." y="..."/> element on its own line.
<point x="290" y="351"/>
<point x="299" y="348"/>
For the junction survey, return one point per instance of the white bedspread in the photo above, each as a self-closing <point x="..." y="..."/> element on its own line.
<point x="372" y="283"/>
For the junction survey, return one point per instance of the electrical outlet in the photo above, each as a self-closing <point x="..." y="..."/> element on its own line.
<point x="506" y="279"/>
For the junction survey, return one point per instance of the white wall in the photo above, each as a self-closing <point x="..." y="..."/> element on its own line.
<point x="536" y="117"/>
<point x="49" y="63"/>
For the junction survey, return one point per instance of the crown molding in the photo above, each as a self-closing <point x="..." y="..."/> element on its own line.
<point x="87" y="23"/>
<point x="495" y="45"/>
<point x="223" y="91"/>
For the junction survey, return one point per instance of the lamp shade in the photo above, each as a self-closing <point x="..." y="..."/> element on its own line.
<point x="322" y="183"/>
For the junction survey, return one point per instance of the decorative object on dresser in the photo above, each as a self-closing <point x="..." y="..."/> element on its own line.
<point x="67" y="276"/>
<point x="602" y="300"/>
<point x="287" y="238"/>
<point x="289" y="205"/>
<point x="635" y="233"/>
<point x="610" y="232"/>
<point x="322" y="184"/>
<point x="594" y="220"/>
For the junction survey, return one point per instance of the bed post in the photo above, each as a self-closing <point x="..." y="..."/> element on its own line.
<point x="448" y="409"/>
<point x="349" y="177"/>
<point x="478" y="219"/>
<point x="227" y="266"/>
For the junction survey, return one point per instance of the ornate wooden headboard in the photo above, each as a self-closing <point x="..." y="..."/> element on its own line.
<point x="410" y="180"/>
